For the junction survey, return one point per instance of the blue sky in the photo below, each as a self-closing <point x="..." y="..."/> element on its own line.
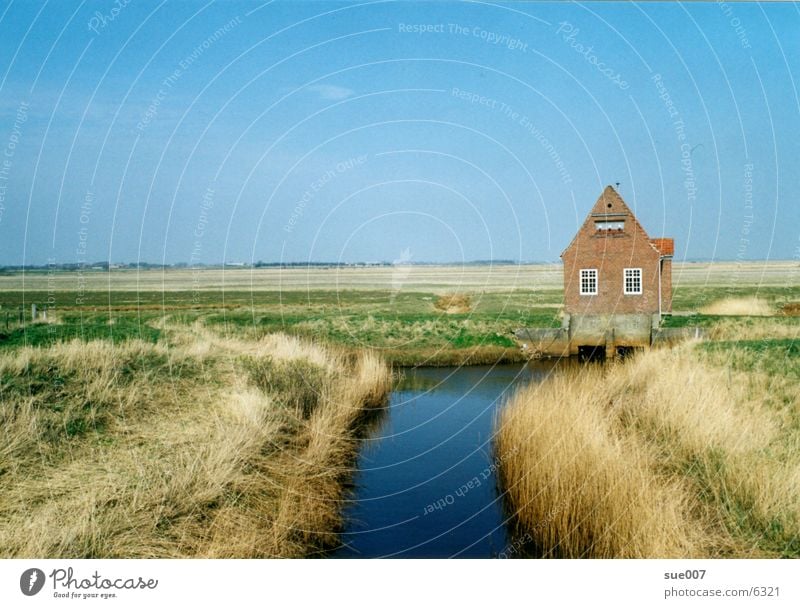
<point x="225" y="131"/>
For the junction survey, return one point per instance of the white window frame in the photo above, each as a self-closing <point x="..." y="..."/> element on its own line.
<point x="591" y="273"/>
<point x="633" y="274"/>
<point x="610" y="225"/>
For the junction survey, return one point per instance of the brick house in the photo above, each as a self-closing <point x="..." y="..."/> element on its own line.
<point x="612" y="266"/>
<point x="617" y="285"/>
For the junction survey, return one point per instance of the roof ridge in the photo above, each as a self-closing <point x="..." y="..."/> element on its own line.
<point x="608" y="199"/>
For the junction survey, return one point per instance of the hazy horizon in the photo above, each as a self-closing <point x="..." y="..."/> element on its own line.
<point x="121" y="265"/>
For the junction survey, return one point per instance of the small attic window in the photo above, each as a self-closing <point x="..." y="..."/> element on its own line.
<point x="615" y="225"/>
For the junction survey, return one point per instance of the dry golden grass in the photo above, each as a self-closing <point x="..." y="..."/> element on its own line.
<point x="756" y="328"/>
<point x="770" y="328"/>
<point x="140" y="450"/>
<point x="577" y="488"/>
<point x="453" y="304"/>
<point x="662" y="456"/>
<point x="790" y="309"/>
<point x="754" y="307"/>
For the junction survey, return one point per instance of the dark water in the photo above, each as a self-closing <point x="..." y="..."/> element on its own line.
<point x="426" y="483"/>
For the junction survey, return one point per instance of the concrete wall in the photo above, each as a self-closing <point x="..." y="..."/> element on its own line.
<point x="620" y="330"/>
<point x="672" y="335"/>
<point x="608" y="331"/>
<point x="544" y="342"/>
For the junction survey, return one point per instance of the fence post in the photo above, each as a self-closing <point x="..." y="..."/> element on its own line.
<point x="33" y="312"/>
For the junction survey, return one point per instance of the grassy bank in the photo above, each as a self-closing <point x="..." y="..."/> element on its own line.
<point x="691" y="452"/>
<point x="202" y="447"/>
<point x="404" y="329"/>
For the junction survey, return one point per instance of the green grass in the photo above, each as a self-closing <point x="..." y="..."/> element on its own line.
<point x="745" y="322"/>
<point x="775" y="357"/>
<point x="301" y="379"/>
<point x="695" y="320"/>
<point x="94" y="328"/>
<point x="59" y="396"/>
<point x="405" y="327"/>
<point x="779" y="360"/>
<point x="773" y="533"/>
<point x="696" y="296"/>
<point x="350" y="299"/>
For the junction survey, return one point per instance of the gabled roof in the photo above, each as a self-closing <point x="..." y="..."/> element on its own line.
<point x="610" y="202"/>
<point x="609" y="206"/>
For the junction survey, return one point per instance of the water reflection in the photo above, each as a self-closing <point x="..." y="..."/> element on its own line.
<point x="426" y="480"/>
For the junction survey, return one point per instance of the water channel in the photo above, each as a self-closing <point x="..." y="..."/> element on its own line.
<point x="426" y="483"/>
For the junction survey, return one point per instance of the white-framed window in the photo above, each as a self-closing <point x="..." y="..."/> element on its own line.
<point x="588" y="281"/>
<point x="615" y="225"/>
<point x="633" y="280"/>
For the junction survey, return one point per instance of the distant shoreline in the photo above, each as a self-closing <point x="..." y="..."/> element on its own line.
<point x="148" y="266"/>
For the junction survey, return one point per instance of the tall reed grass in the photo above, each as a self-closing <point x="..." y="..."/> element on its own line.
<point x="661" y="456"/>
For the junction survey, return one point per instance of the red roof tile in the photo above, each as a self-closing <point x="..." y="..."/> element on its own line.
<point x="665" y="246"/>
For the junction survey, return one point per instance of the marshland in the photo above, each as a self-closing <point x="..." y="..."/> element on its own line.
<point x="252" y="413"/>
<point x="187" y="447"/>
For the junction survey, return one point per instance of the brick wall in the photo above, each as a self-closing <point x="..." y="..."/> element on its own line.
<point x="610" y="252"/>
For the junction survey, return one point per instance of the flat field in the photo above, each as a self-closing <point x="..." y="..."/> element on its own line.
<point x="444" y="278"/>
<point x="399" y="311"/>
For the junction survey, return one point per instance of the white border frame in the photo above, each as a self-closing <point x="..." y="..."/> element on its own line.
<point x="625" y="282"/>
<point x="596" y="282"/>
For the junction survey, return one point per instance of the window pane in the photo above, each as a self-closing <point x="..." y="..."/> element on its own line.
<point x="633" y="280"/>
<point x="588" y="279"/>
